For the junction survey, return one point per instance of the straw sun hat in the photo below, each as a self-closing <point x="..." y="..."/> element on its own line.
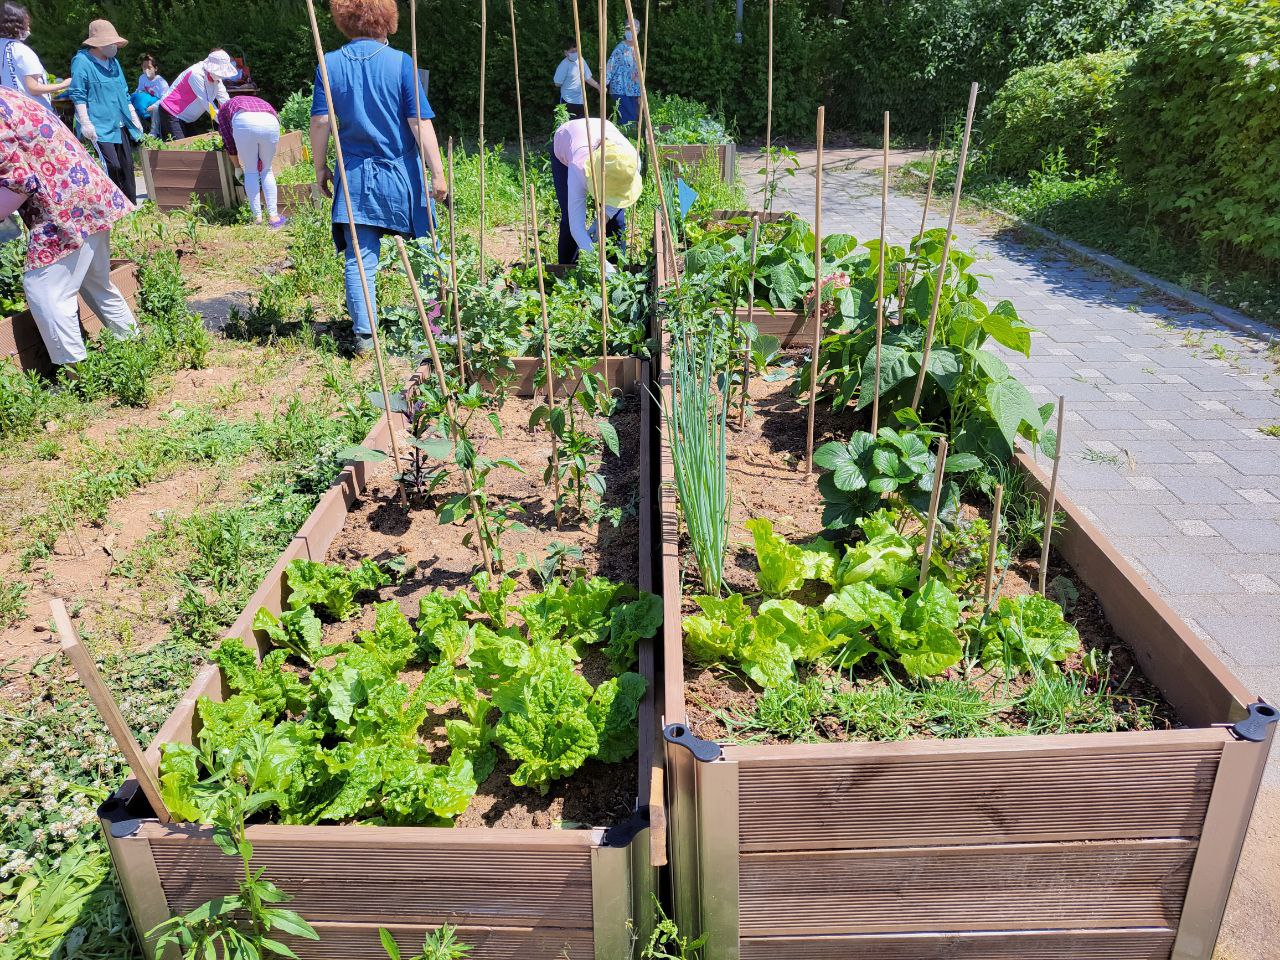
<point x="103" y="34"/>
<point x="622" y="183"/>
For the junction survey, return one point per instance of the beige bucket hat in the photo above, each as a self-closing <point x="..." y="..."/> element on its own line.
<point x="103" y="34"/>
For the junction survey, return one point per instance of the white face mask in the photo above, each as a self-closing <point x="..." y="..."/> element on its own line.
<point x="629" y="35"/>
<point x="572" y="57"/>
<point x="108" y="51"/>
<point x="25" y="34"/>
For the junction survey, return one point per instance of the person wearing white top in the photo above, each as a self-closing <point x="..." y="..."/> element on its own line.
<point x="569" y="80"/>
<point x="194" y="91"/>
<point x="20" y="67"/>
<point x="575" y="166"/>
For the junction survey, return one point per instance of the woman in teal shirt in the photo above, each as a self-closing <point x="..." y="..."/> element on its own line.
<point x="382" y="130"/>
<point x="104" y="114"/>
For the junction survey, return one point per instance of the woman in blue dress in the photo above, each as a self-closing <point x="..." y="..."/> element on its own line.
<point x="381" y="129"/>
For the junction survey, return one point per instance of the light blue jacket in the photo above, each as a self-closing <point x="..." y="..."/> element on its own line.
<point x="102" y="88"/>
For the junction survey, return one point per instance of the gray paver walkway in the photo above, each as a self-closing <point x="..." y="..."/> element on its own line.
<point x="1162" y="448"/>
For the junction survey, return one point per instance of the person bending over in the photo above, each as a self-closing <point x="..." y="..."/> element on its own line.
<point x="575" y="168"/>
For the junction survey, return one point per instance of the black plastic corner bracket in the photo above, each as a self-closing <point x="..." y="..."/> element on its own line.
<point x="120" y="820"/>
<point x="621" y="834"/>
<point x="682" y="736"/>
<point x="1254" y="727"/>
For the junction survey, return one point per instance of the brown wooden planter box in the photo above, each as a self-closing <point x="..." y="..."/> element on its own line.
<point x="1116" y="845"/>
<point x="20" y="340"/>
<point x="514" y="894"/>
<point x="685" y="156"/>
<point x="624" y="373"/>
<point x="173" y="176"/>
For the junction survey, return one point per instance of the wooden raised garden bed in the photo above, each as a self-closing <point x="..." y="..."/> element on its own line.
<point x="20" y="340"/>
<point x="173" y="175"/>
<point x="1115" y="845"/>
<point x="687" y="156"/>
<point x="531" y="894"/>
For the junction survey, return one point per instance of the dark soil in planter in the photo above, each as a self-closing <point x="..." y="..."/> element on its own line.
<point x="766" y="479"/>
<point x="380" y="527"/>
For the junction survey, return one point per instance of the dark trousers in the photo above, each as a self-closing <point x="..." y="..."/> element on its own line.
<point x="118" y="158"/>
<point x="576" y="110"/>
<point x="171" y="128"/>
<point x="615" y="227"/>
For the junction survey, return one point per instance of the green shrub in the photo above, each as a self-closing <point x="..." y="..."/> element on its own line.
<point x="25" y="401"/>
<point x="1065" y="106"/>
<point x="1199" y="123"/>
<point x="295" y="112"/>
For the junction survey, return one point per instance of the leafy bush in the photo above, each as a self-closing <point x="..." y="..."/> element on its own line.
<point x="295" y="113"/>
<point x="679" y="120"/>
<point x="1199" y="121"/>
<point x="1065" y="106"/>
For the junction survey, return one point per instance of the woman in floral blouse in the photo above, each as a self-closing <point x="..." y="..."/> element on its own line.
<point x="69" y="205"/>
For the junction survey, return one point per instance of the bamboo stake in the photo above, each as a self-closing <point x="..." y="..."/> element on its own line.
<point x="653" y="155"/>
<point x="484" y="46"/>
<point x="946" y="248"/>
<point x="110" y="712"/>
<point x="768" y="117"/>
<point x="934" y="497"/>
<point x="884" y="216"/>
<point x="751" y="316"/>
<point x="602" y="16"/>
<point x="453" y="282"/>
<point x="635" y="48"/>
<point x="355" y="243"/>
<point x="422" y="154"/>
<point x="924" y="222"/>
<point x="450" y="407"/>
<point x="1053" y="496"/>
<point x="524" y="177"/>
<point x="817" y="289"/>
<point x="991" y="548"/>
<point x="546" y="352"/>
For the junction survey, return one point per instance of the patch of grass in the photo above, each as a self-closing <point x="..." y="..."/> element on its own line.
<point x="13" y="603"/>
<point x="1100" y="456"/>
<point x="1271" y="430"/>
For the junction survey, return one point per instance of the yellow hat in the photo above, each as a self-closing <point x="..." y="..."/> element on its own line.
<point x="622" y="183"/>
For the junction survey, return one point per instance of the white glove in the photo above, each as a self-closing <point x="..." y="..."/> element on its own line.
<point x="609" y="269"/>
<point x="87" y="129"/>
<point x="133" y="118"/>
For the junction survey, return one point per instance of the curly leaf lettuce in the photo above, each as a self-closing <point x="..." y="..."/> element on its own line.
<point x="548" y="729"/>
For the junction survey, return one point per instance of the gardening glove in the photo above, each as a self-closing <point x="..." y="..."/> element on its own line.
<point x="136" y="131"/>
<point x="87" y="129"/>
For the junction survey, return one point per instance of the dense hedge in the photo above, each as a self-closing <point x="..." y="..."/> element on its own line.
<point x="1061" y="109"/>
<point x="913" y="57"/>
<point x="1199" y="116"/>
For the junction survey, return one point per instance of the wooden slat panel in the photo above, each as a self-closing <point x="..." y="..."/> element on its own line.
<point x="352" y="941"/>
<point x="394" y="881"/>
<point x="878" y="800"/>
<point x="1133" y="883"/>
<point x="1141" y="944"/>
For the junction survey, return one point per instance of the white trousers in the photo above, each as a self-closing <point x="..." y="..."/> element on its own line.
<point x="51" y="297"/>
<point x="256" y="136"/>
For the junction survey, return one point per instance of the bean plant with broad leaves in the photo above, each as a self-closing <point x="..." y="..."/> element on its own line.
<point x="579" y="423"/>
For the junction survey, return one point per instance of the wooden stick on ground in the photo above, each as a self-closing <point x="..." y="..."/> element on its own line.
<point x="524" y="176"/>
<point x="106" y="704"/>
<point x="450" y="407"/>
<point x="751" y="317"/>
<point x="453" y="282"/>
<point x="946" y="248"/>
<point x="646" y="121"/>
<point x="768" y="118"/>
<point x="484" y="48"/>
<point x="355" y="244"/>
<point x="817" y="294"/>
<point x="884" y="216"/>
<point x="934" y="497"/>
<point x="1053" y="495"/>
<point x="991" y="547"/>
<point x="546" y="352"/>
<point x="602" y="17"/>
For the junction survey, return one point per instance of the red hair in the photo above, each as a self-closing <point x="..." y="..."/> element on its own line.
<point x="365" y="18"/>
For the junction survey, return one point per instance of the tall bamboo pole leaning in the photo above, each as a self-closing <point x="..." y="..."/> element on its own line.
<point x="768" y="114"/>
<point x="635" y="49"/>
<point x="524" y="176"/>
<point x="602" y="31"/>
<point x="884" y="217"/>
<point x="355" y="244"/>
<point x="646" y="120"/>
<point x="751" y="317"/>
<point x="453" y="283"/>
<point x="422" y="154"/>
<point x="992" y="546"/>
<point x="1053" y="495"/>
<point x="817" y="293"/>
<point x="946" y="248"/>
<point x="484" y="48"/>
<point x="451" y="410"/>
<point x="924" y="214"/>
<point x="939" y="469"/>
<point x="546" y="352"/>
